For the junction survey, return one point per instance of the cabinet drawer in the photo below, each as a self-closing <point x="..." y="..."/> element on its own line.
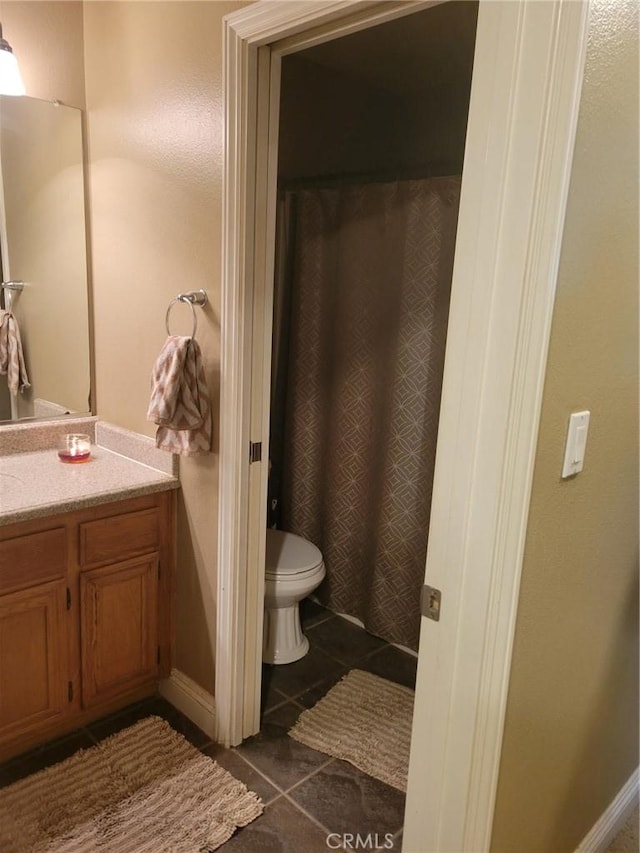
<point x="109" y="540"/>
<point x="33" y="559"/>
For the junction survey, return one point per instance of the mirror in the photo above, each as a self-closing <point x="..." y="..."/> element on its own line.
<point x="43" y="244"/>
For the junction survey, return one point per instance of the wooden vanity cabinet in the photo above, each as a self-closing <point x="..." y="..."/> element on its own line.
<point x="85" y="615"/>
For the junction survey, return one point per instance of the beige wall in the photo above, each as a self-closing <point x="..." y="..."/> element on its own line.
<point x="46" y="37"/>
<point x="571" y="737"/>
<point x="154" y="95"/>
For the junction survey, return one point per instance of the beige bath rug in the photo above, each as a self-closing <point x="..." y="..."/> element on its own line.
<point x="365" y="720"/>
<point x="143" y="790"/>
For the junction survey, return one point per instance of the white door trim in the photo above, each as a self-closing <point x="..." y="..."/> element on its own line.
<point x="525" y="97"/>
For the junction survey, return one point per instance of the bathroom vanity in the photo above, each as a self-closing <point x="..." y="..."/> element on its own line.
<point x="86" y="573"/>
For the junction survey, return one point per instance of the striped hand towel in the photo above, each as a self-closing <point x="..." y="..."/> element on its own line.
<point x="179" y="398"/>
<point x="11" y="356"/>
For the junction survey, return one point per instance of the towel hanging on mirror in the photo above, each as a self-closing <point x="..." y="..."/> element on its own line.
<point x="179" y="402"/>
<point x="11" y="355"/>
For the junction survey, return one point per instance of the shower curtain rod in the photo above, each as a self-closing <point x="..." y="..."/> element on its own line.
<point x="439" y="170"/>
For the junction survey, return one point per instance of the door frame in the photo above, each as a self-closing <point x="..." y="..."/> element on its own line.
<point x="523" y="113"/>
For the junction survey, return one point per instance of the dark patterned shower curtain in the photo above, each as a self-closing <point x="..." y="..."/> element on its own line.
<point x="362" y="298"/>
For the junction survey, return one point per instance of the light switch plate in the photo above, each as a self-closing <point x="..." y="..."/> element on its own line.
<point x="576" y="444"/>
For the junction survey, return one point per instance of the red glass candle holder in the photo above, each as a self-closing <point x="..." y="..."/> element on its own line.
<point x="74" y="447"/>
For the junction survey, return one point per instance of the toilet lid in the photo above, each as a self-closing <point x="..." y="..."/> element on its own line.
<point x="288" y="554"/>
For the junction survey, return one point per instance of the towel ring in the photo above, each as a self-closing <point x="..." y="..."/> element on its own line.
<point x="193" y="298"/>
<point x="193" y="310"/>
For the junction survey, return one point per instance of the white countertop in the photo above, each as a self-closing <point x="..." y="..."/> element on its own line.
<point x="37" y="484"/>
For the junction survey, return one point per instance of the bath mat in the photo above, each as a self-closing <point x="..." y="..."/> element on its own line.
<point x="143" y="790"/>
<point x="365" y="720"/>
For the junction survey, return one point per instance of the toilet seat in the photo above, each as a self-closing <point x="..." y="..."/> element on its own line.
<point x="289" y="555"/>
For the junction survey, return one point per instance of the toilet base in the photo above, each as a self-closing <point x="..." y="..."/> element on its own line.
<point x="284" y="641"/>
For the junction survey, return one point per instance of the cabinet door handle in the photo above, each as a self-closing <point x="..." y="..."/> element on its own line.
<point x="68" y="599"/>
<point x="70" y="691"/>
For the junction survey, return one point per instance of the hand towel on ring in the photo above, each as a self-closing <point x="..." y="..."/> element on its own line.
<point x="179" y="402"/>
<point x="11" y="354"/>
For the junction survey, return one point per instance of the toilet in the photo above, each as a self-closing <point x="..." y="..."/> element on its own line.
<point x="294" y="568"/>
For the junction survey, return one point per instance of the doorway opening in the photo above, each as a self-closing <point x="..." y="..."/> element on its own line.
<point x="371" y="138"/>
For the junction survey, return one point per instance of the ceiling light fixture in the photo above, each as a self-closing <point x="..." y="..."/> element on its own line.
<point x="10" y="78"/>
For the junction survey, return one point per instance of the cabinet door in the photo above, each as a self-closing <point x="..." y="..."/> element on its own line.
<point x="119" y="624"/>
<point x="33" y="659"/>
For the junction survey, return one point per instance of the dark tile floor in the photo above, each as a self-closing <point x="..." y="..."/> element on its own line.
<point x="307" y="794"/>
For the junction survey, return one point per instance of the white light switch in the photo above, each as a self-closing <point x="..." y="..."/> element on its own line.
<point x="576" y="443"/>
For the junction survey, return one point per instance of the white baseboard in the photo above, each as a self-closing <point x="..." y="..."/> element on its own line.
<point x="355" y="621"/>
<point x="613" y="818"/>
<point x="191" y="699"/>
